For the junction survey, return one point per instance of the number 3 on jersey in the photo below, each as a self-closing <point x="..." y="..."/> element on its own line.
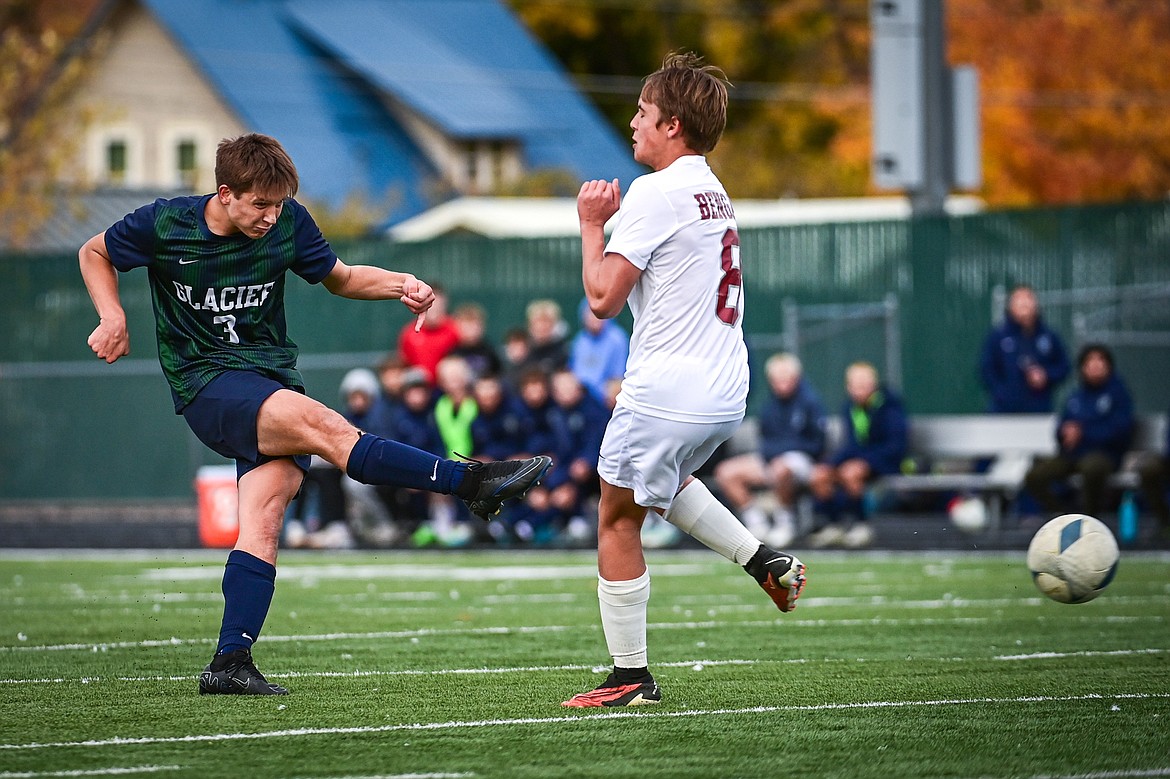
<point x="731" y="282"/>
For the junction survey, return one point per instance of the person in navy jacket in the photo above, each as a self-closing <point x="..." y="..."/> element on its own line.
<point x="1023" y="361"/>
<point x="502" y="427"/>
<point x="876" y="439"/>
<point x="792" y="441"/>
<point x="1154" y="470"/>
<point x="1093" y="433"/>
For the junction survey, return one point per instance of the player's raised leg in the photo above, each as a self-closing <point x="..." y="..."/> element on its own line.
<point x="698" y="513"/>
<point x="290" y="422"/>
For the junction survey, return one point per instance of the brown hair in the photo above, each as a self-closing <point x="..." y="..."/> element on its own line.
<point x="695" y="93"/>
<point x="255" y="163"/>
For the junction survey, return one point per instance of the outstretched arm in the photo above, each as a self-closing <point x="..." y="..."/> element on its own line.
<point x="366" y="282"/>
<point x="607" y="278"/>
<point x="110" y="339"/>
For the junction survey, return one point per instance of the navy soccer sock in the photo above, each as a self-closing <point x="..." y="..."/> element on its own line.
<point x="248" y="584"/>
<point x="376" y="460"/>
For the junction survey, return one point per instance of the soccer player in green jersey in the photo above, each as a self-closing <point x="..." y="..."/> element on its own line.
<point x="217" y="266"/>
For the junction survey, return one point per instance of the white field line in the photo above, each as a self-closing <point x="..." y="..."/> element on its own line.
<point x="1096" y="653"/>
<point x="495" y="631"/>
<point x="696" y="665"/>
<point x="142" y="769"/>
<point x="569" y="720"/>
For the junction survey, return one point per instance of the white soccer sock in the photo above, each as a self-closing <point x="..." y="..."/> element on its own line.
<point x="696" y="511"/>
<point x="623" y="617"/>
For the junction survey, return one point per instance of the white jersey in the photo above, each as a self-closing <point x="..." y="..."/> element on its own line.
<point x="688" y="361"/>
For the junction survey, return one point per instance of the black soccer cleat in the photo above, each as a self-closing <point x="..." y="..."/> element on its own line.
<point x="486" y="486"/>
<point x="234" y="673"/>
<point x="780" y="575"/>
<point x="615" y="693"/>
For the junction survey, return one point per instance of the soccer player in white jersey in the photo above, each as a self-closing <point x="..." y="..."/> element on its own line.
<point x="674" y="256"/>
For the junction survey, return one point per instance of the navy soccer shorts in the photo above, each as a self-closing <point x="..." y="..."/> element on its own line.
<point x="223" y="416"/>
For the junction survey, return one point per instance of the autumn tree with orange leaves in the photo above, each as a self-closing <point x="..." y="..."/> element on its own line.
<point x="1074" y="92"/>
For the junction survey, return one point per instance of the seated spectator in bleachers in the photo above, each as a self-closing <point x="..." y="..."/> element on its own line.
<point x="500" y="429"/>
<point x="548" y="348"/>
<point x="482" y="358"/>
<point x="598" y="352"/>
<point x="875" y="443"/>
<point x="517" y="351"/>
<point x="792" y="441"/>
<point x="520" y="521"/>
<point x="368" y="521"/>
<point x="1023" y="361"/>
<point x="414" y="425"/>
<point x="1093" y="433"/>
<point x="1154" y="471"/>
<point x="424" y="347"/>
<point x="578" y="421"/>
<point x="455" y="411"/>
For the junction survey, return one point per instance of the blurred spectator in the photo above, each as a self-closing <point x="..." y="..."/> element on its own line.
<point x="433" y="341"/>
<point x="578" y="421"/>
<point x="1093" y="433"/>
<point x="517" y="352"/>
<point x="473" y="346"/>
<point x="500" y="429"/>
<point x="414" y="425"/>
<point x="455" y="411"/>
<point x="547" y="345"/>
<point x="1154" y="471"/>
<point x="1023" y="361"/>
<point x="792" y="440"/>
<point x="598" y="352"/>
<point x="876" y="438"/>
<point x="534" y="393"/>
<point x="368" y="522"/>
<point x="455" y="408"/>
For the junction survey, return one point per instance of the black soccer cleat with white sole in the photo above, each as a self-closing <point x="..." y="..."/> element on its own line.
<point x="616" y="693"/>
<point x="234" y="673"/>
<point x="486" y="486"/>
<point x="780" y="574"/>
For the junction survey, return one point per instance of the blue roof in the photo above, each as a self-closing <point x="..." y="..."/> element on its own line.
<point x="316" y="76"/>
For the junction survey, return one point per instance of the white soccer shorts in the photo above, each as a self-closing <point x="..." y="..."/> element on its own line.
<point x="652" y="456"/>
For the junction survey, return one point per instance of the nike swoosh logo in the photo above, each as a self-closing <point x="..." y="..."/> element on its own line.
<point x="187" y="262"/>
<point x="245" y="635"/>
<point x="785" y="558"/>
<point x="435" y="472"/>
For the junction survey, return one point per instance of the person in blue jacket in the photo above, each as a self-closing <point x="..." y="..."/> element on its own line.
<point x="1154" y="472"/>
<point x="503" y="424"/>
<point x="598" y="352"/>
<point x="1023" y="361"/>
<point x="1093" y="433"/>
<point x="876" y="439"/>
<point x="792" y="441"/>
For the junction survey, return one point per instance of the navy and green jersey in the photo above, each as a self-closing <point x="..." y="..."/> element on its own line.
<point x="219" y="300"/>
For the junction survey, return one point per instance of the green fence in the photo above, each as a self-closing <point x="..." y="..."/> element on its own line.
<point x="72" y="427"/>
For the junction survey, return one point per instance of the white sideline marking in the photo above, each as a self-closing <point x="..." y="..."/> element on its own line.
<point x="407" y="672"/>
<point x="1084" y="653"/>
<point x="500" y="631"/>
<point x="142" y="769"/>
<point x="568" y="720"/>
<point x="506" y="630"/>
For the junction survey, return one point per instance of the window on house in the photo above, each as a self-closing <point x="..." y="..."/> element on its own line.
<point x="187" y="162"/>
<point x="116" y="160"/>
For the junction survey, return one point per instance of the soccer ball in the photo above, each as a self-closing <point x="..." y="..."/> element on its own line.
<point x="1073" y="558"/>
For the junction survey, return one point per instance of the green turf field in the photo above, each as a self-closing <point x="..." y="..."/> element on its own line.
<point x="455" y="664"/>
